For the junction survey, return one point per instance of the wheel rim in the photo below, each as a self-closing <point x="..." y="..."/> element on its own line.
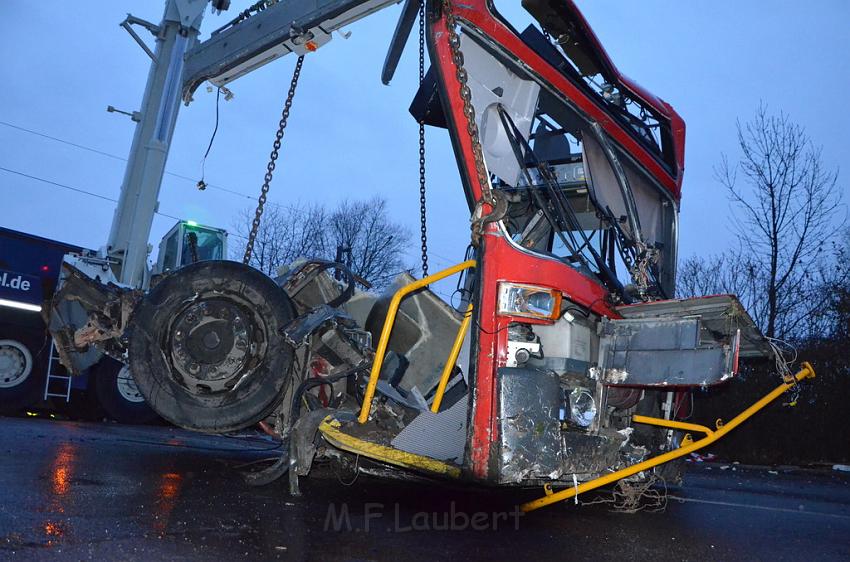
<point x="127" y="386"/>
<point x="215" y="344"/>
<point x="15" y="363"/>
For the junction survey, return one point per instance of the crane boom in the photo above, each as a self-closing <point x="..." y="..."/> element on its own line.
<point x="243" y="45"/>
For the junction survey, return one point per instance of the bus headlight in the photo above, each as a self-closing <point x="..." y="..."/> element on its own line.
<point x="527" y="300"/>
<point x="582" y="407"/>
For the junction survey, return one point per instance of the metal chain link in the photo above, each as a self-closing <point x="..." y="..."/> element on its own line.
<point x="267" y="180"/>
<point x="488" y="196"/>
<point x="422" y="207"/>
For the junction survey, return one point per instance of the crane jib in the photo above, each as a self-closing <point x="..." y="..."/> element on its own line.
<point x="297" y="26"/>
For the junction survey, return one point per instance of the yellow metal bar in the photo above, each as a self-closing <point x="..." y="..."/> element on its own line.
<point x="805" y="372"/>
<point x="388" y="328"/>
<point x="672" y="424"/>
<point x="330" y="430"/>
<point x="452" y="360"/>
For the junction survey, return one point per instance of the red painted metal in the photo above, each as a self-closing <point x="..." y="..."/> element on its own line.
<point x="477" y="13"/>
<point x="500" y="260"/>
<point x="677" y="124"/>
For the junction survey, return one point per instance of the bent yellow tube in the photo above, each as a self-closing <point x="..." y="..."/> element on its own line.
<point x="381" y="351"/>
<point x="672" y="424"/>
<point x="711" y="436"/>
<point x="452" y="360"/>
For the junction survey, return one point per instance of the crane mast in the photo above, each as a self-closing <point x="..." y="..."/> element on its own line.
<point x="139" y="198"/>
<point x="179" y="63"/>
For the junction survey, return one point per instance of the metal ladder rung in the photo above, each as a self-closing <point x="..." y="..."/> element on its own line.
<point x="52" y="363"/>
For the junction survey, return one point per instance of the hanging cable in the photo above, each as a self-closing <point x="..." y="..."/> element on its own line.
<point x="202" y="185"/>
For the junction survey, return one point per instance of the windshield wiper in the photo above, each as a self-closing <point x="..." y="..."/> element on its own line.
<point x="639" y="257"/>
<point x="544" y="207"/>
<point x="569" y="220"/>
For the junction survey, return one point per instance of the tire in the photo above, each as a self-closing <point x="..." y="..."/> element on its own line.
<point x="206" y="347"/>
<point x="22" y="375"/>
<point x="118" y="395"/>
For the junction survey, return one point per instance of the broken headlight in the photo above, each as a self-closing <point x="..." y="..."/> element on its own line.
<point x="582" y="407"/>
<point x="529" y="301"/>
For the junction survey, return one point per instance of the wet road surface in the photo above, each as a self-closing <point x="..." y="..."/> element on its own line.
<point x="77" y="491"/>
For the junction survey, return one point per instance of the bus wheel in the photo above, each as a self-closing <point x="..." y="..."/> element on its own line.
<point x="206" y="346"/>
<point x="21" y="381"/>
<point x="118" y="395"/>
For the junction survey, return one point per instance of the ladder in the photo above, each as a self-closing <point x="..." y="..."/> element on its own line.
<point x="58" y="382"/>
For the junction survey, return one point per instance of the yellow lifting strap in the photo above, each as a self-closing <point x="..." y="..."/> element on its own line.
<point x="688" y="445"/>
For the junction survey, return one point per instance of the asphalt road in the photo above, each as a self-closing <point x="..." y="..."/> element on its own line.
<point x="76" y="491"/>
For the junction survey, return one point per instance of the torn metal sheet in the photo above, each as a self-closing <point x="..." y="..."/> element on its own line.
<point x="721" y="316"/>
<point x="86" y="313"/>
<point x="529" y="430"/>
<point x="584" y="454"/>
<point x="663" y="351"/>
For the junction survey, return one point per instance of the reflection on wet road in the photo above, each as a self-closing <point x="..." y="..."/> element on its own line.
<point x="109" y="492"/>
<point x="166" y="499"/>
<point x="61" y="471"/>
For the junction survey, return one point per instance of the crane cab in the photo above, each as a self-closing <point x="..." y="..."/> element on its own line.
<point x="188" y="242"/>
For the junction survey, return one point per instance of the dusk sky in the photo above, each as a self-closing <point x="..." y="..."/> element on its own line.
<point x="350" y="136"/>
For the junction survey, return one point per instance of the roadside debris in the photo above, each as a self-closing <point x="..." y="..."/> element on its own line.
<point x="696" y="457"/>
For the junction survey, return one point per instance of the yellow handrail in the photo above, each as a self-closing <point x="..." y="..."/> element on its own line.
<point x="450" y="362"/>
<point x="687" y="447"/>
<point x="672" y="424"/>
<point x="381" y="351"/>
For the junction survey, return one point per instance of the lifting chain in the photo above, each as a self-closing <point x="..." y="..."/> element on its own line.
<point x="495" y="199"/>
<point x="423" y="227"/>
<point x="267" y="180"/>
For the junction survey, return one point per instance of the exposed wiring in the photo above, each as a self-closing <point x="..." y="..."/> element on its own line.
<point x="781" y="348"/>
<point x="356" y="473"/>
<point x="202" y="185"/>
<point x="689" y="396"/>
<point x="632" y="497"/>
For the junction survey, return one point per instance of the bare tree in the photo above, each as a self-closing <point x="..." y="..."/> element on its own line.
<point x="285" y="234"/>
<point x="839" y="295"/>
<point x="374" y="244"/>
<point x="785" y="215"/>
<point x="718" y="274"/>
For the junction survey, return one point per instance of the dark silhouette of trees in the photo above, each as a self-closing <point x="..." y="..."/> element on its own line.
<point x="786" y="211"/>
<point x="374" y="244"/>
